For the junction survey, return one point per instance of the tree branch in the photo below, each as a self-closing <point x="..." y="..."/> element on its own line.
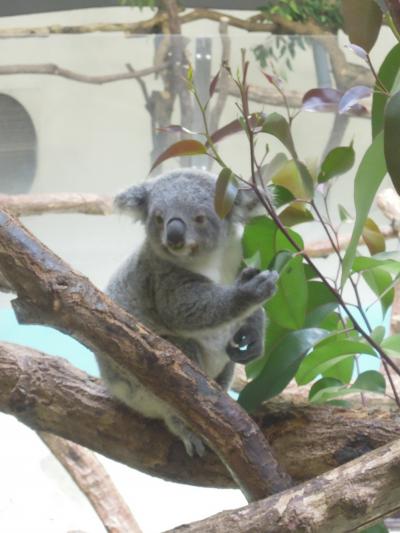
<point x="91" y="477"/>
<point x="55" y="70"/>
<point x="50" y="293"/>
<point x="349" y="498"/>
<point x="48" y="394"/>
<point x="38" y="204"/>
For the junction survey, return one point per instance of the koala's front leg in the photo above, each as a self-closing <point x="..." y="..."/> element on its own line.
<point x="247" y="343"/>
<point x="193" y="302"/>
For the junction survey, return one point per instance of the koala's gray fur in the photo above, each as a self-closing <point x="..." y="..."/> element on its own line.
<point x="190" y="294"/>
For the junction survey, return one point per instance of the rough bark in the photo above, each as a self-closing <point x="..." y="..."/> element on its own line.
<point x="348" y="498"/>
<point x="47" y="393"/>
<point x="92" y="479"/>
<point x="49" y="292"/>
<point x="37" y="204"/>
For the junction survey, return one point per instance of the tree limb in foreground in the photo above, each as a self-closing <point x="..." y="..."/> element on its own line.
<point x="50" y="293"/>
<point x="92" y="479"/>
<point x="48" y="394"/>
<point x="349" y="498"/>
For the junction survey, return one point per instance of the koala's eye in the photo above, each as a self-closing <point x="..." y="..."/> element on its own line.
<point x="200" y="219"/>
<point x="159" y="219"/>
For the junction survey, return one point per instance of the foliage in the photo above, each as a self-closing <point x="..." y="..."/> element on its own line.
<point x="315" y="337"/>
<point x="138" y="3"/>
<point x="326" y="13"/>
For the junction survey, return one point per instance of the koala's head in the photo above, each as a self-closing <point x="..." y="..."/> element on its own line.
<point x="177" y="209"/>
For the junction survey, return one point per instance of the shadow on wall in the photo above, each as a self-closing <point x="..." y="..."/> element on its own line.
<point x="18" y="147"/>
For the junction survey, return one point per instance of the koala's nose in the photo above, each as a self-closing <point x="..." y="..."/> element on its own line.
<point x="176" y="230"/>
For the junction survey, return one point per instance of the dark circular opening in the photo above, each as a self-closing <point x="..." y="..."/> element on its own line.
<point x="18" y="147"/>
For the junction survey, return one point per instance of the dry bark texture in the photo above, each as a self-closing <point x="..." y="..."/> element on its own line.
<point x="47" y="393"/>
<point x="50" y="293"/>
<point x="349" y="498"/>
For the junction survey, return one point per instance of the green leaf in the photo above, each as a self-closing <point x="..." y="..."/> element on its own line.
<point x="391" y="345"/>
<point x="226" y="190"/>
<point x="322" y="384"/>
<point x="179" y="149"/>
<point x="327" y="355"/>
<point x="338" y="161"/>
<point x="369" y="176"/>
<point x="262" y="236"/>
<point x="343" y="370"/>
<point x="362" y="22"/>
<point x="320" y="305"/>
<point x="295" y="213"/>
<point x="379" y="282"/>
<point x="280" y="195"/>
<point x="382" y="261"/>
<point x="391" y="129"/>
<point x="371" y="381"/>
<point x="283" y="308"/>
<point x="290" y="177"/>
<point x="276" y="125"/>
<point x="373" y="237"/>
<point x="378" y="334"/>
<point x="280" y="367"/>
<point x="387" y="74"/>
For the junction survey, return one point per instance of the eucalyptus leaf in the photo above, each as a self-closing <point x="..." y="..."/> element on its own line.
<point x="373" y="237"/>
<point x="283" y="308"/>
<point x="387" y="74"/>
<point x="280" y="367"/>
<point x="323" y="383"/>
<point x="391" y="129"/>
<point x="369" y="176"/>
<point x="380" y="283"/>
<point x="226" y="190"/>
<point x="338" y="161"/>
<point x="362" y="22"/>
<point x="179" y="149"/>
<point x="326" y="355"/>
<point x="295" y="213"/>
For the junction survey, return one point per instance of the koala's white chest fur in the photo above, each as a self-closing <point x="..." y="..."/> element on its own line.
<point x="222" y="268"/>
<point x="223" y="264"/>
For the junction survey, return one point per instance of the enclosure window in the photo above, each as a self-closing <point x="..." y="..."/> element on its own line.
<point x="18" y="147"/>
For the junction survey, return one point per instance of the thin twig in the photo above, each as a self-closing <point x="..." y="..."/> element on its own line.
<point x="55" y="70"/>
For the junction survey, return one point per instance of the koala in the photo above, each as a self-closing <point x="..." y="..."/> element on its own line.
<point x="184" y="284"/>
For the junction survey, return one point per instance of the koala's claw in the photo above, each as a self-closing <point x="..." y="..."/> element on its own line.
<point x="247" y="274"/>
<point x="259" y="286"/>
<point x="193" y="443"/>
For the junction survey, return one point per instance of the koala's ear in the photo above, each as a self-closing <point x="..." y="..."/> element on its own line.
<point x="133" y="201"/>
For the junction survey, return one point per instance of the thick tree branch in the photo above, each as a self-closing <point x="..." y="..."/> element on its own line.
<point x="93" y="480"/>
<point x="47" y="393"/>
<point x="349" y="498"/>
<point x="55" y="70"/>
<point x="49" y="292"/>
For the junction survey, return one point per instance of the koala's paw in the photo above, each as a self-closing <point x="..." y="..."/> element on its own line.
<point x="246" y="345"/>
<point x="193" y="443"/>
<point x="257" y="286"/>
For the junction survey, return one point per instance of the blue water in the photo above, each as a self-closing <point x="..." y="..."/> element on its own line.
<point x="53" y="342"/>
<point x="47" y="340"/>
